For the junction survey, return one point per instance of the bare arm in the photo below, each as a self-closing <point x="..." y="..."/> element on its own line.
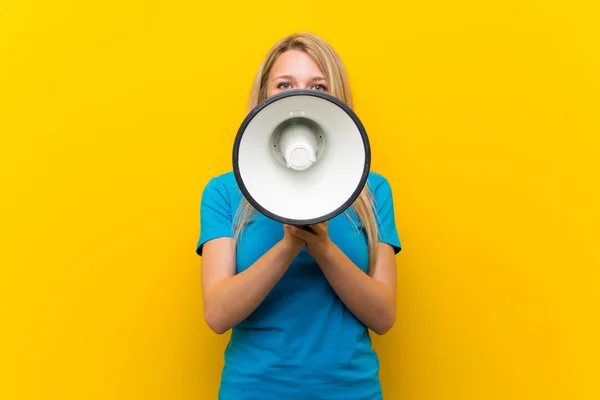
<point x="371" y="298"/>
<point x="229" y="298"/>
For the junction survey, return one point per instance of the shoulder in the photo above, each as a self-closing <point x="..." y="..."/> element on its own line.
<point x="378" y="182"/>
<point x="224" y="182"/>
<point x="381" y="190"/>
<point x="223" y="187"/>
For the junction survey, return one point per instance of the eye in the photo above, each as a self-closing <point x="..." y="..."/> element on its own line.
<point x="284" y="85"/>
<point x="320" y="87"/>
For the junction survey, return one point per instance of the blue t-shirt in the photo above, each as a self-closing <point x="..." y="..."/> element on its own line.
<point x="301" y="342"/>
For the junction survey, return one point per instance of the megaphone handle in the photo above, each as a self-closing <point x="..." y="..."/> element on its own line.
<point x="306" y="228"/>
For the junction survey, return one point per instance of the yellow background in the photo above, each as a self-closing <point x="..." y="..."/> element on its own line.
<point x="483" y="115"/>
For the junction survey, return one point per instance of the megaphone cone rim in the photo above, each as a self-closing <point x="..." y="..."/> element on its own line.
<point x="302" y="92"/>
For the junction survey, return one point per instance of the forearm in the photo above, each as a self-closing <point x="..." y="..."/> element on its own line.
<point x="233" y="299"/>
<point x="370" y="301"/>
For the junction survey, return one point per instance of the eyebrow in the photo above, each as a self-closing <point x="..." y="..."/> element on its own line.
<point x="314" y="78"/>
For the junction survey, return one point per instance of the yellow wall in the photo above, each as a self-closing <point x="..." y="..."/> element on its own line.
<point x="483" y="115"/>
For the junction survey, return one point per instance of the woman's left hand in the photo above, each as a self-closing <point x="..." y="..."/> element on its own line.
<point x="317" y="242"/>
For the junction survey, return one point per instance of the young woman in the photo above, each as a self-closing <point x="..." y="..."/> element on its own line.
<point x="299" y="304"/>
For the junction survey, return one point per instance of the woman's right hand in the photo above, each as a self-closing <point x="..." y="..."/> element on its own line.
<point x="229" y="297"/>
<point x="293" y="241"/>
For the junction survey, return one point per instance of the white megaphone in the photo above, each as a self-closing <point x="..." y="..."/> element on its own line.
<point x="301" y="157"/>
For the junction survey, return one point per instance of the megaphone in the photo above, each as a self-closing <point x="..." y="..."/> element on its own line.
<point x="301" y="157"/>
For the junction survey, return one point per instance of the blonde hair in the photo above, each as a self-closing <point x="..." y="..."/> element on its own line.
<point x="335" y="73"/>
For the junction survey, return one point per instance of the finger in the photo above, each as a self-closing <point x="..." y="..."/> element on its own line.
<point x="320" y="229"/>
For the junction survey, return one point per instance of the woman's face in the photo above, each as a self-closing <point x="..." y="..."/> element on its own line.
<point x="295" y="69"/>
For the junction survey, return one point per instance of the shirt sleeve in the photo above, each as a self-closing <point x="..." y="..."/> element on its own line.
<point x="215" y="214"/>
<point x="386" y="223"/>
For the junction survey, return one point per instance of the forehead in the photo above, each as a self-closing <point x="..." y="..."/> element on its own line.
<point x="297" y="63"/>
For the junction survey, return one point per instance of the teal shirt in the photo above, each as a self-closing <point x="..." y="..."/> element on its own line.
<point x="301" y="342"/>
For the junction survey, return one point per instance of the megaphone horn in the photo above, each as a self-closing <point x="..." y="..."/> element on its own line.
<point x="301" y="157"/>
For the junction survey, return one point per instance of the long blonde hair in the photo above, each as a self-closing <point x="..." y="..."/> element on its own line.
<point x="335" y="73"/>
